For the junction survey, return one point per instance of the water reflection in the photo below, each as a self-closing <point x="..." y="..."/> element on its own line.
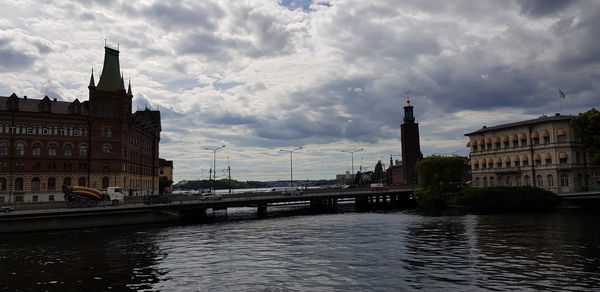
<point x="91" y="260"/>
<point x="329" y="252"/>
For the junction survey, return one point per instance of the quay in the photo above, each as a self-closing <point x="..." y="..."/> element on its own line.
<point x="186" y="209"/>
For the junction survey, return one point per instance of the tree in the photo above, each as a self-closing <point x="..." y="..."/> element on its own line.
<point x="437" y="173"/>
<point x="587" y="131"/>
<point x="358" y="178"/>
<point x="377" y="173"/>
<point x="163" y="183"/>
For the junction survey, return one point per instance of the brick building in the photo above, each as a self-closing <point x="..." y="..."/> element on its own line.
<point x="45" y="143"/>
<point x="404" y="173"/>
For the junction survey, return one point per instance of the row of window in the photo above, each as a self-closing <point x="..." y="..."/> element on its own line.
<point x="516" y="181"/>
<point x="36" y="149"/>
<point x="514" y="142"/>
<point x="522" y="161"/>
<point x="50" y="185"/>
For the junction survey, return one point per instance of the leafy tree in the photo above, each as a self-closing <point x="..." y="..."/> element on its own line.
<point x="358" y="178"/>
<point x="587" y="130"/>
<point x="164" y="183"/>
<point x="437" y="174"/>
<point x="377" y="173"/>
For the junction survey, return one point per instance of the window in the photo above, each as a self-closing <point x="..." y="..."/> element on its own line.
<point x="515" y="143"/>
<point x="106" y="132"/>
<point x="68" y="149"/>
<point x="538" y="161"/>
<point x="36" y="149"/>
<point x="52" y="149"/>
<point x="19" y="184"/>
<point x="1" y="199"/>
<point x="578" y="157"/>
<point x="523" y="142"/>
<point x="550" y="180"/>
<point x="546" y="140"/>
<point x="81" y="181"/>
<point x="51" y="165"/>
<point x="561" y="138"/>
<point x="3" y="149"/>
<point x="35" y="184"/>
<point x="539" y="181"/>
<point x="498" y="165"/>
<point x="548" y="161"/>
<point x="20" y="165"/>
<point x="106" y="148"/>
<point x="536" y="141"/>
<point x="525" y="162"/>
<point x="526" y="180"/>
<point x="19" y="199"/>
<point x="490" y="164"/>
<point x="506" y="144"/>
<point x="517" y="163"/>
<point x="492" y="181"/>
<point x="2" y="184"/>
<point x="51" y="198"/>
<point x="105" y="182"/>
<point x="51" y="184"/>
<point x="82" y="150"/>
<point x="564" y="180"/>
<point x="3" y="165"/>
<point x="67" y="181"/>
<point x="497" y="145"/>
<point x="36" y="165"/>
<point x="20" y="149"/>
<point x="34" y="198"/>
<point x="485" y="184"/>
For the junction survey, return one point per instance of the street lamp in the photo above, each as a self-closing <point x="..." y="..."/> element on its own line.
<point x="291" y="172"/>
<point x="352" y="153"/>
<point x="214" y="171"/>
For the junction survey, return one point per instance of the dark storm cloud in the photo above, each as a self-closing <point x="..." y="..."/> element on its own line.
<point x="539" y="8"/>
<point x="14" y="60"/>
<point x="173" y="15"/>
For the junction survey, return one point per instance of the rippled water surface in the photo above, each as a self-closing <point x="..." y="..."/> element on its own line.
<point x="399" y="251"/>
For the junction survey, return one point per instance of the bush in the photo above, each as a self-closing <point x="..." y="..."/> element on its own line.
<point x="503" y="199"/>
<point x="430" y="201"/>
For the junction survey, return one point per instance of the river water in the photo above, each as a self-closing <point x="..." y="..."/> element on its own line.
<point x="397" y="251"/>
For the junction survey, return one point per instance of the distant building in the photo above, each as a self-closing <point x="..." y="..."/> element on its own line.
<point x="166" y="172"/>
<point x="540" y="152"/>
<point x="403" y="172"/>
<point x="45" y="143"/>
<point x="344" y="177"/>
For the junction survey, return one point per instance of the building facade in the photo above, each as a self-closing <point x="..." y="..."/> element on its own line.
<point x="165" y="172"/>
<point x="541" y="152"/>
<point x="45" y="143"/>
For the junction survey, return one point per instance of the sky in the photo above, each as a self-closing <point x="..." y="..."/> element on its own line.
<point x="262" y="76"/>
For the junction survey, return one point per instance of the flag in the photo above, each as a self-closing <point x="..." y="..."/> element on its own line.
<point x="562" y="94"/>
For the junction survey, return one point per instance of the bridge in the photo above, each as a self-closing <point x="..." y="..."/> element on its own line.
<point x="183" y="208"/>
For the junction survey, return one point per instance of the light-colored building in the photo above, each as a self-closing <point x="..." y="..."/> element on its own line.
<point x="541" y="152"/>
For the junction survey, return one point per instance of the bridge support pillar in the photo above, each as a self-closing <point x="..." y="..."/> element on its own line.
<point x="261" y="211"/>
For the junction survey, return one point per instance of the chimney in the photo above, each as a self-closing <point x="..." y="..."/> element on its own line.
<point x="55" y="99"/>
<point x="24" y="96"/>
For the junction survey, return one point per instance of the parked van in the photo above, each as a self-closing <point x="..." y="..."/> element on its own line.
<point x="116" y="194"/>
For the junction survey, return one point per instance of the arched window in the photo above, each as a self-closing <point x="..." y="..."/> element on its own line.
<point x="35" y="184"/>
<point x="108" y="132"/>
<point x="105" y="182"/>
<point x="561" y="136"/>
<point x="477" y="181"/>
<point x="2" y="184"/>
<point x="485" y="182"/>
<point x="517" y="180"/>
<point x="547" y="158"/>
<point x="51" y="184"/>
<point x="81" y="181"/>
<point x="52" y="149"/>
<point x="67" y="181"/>
<point x="492" y="182"/>
<point x="19" y="184"/>
<point x="3" y="149"/>
<point x="564" y="180"/>
<point x="82" y="150"/>
<point x="539" y="181"/>
<point x="68" y="149"/>
<point x="526" y="180"/>
<point x="550" y="180"/>
<point x="20" y="148"/>
<point x="36" y="149"/>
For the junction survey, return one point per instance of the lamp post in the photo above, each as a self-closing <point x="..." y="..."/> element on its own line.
<point x="291" y="169"/>
<point x="214" y="172"/>
<point x="352" y="154"/>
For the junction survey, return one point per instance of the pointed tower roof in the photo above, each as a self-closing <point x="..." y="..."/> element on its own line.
<point x="122" y="85"/>
<point x="129" y="89"/>
<point x="92" y="82"/>
<point x="110" y="77"/>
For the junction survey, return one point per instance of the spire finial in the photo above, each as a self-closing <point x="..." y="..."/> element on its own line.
<point x="92" y="82"/>
<point x="129" y="89"/>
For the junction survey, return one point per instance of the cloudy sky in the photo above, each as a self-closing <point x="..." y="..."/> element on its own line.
<point x="260" y="76"/>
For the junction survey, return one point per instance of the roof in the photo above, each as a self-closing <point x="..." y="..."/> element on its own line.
<point x="32" y="105"/>
<point x="110" y="79"/>
<point x="164" y="162"/>
<point x="539" y="120"/>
